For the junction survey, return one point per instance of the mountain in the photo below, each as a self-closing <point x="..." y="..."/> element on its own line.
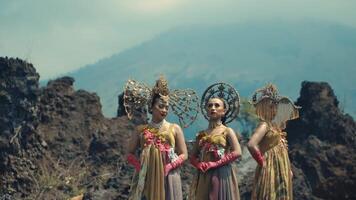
<point x="245" y="55"/>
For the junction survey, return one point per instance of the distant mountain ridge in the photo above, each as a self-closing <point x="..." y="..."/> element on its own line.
<point x="245" y="55"/>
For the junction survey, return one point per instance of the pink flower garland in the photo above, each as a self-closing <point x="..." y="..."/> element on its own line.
<point x="155" y="139"/>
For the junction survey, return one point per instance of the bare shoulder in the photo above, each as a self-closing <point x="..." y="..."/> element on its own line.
<point x="141" y="127"/>
<point x="231" y="136"/>
<point x="177" y="128"/>
<point x="230" y="131"/>
<point x="263" y="125"/>
<point x="235" y="134"/>
<point x="261" y="129"/>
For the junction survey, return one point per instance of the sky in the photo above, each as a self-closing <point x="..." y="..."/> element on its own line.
<point x="62" y="36"/>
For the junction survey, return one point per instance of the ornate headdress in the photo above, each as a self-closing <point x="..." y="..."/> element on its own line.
<point x="184" y="103"/>
<point x="285" y="108"/>
<point x="160" y="88"/>
<point x="226" y="93"/>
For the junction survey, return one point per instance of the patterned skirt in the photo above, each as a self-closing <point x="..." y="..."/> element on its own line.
<point x="274" y="181"/>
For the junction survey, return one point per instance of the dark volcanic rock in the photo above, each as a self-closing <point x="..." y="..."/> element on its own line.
<point x="322" y="146"/>
<point x="69" y="118"/>
<point x="320" y="116"/>
<point x="19" y="142"/>
<point x="121" y="109"/>
<point x="55" y="142"/>
<point x="78" y="135"/>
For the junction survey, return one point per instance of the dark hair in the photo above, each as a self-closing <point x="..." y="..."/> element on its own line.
<point x="223" y="118"/>
<point x="154" y="98"/>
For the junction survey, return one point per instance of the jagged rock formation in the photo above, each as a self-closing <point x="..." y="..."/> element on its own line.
<point x="120" y="109"/>
<point x="55" y="143"/>
<point x="83" y="141"/>
<point x="322" y="146"/>
<point x="19" y="142"/>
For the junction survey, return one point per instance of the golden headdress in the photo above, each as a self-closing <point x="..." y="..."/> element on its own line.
<point x="184" y="103"/>
<point x="264" y="98"/>
<point x="225" y="92"/>
<point x="160" y="88"/>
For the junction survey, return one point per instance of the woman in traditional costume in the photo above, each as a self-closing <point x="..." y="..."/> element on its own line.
<point x="217" y="147"/>
<point x="161" y="145"/>
<point x="268" y="145"/>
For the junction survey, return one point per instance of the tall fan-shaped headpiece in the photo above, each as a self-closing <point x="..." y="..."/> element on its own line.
<point x="285" y="108"/>
<point x="184" y="103"/>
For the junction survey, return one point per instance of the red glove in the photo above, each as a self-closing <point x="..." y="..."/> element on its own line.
<point x="228" y="158"/>
<point x="258" y="157"/>
<point x="194" y="161"/>
<point x="131" y="159"/>
<point x="173" y="165"/>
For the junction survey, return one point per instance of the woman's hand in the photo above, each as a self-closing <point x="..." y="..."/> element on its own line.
<point x="257" y="155"/>
<point x="255" y="139"/>
<point x="198" y="165"/>
<point x="205" y="166"/>
<point x="173" y="165"/>
<point x="226" y="159"/>
<point x="167" y="168"/>
<point x="131" y="159"/>
<point x="201" y="166"/>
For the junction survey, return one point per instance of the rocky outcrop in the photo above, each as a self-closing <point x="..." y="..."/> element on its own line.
<point x="321" y="116"/>
<point x="54" y="141"/>
<point x="322" y="146"/>
<point x="19" y="142"/>
<point x="120" y="108"/>
<point x="88" y="147"/>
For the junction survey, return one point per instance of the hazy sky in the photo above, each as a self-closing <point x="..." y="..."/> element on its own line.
<point x="61" y="36"/>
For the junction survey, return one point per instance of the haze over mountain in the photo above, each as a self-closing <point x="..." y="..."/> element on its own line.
<point x="245" y="55"/>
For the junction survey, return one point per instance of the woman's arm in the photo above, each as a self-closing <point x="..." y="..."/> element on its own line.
<point x="233" y="141"/>
<point x="181" y="149"/>
<point x="131" y="149"/>
<point x="133" y="143"/>
<point x="255" y="139"/>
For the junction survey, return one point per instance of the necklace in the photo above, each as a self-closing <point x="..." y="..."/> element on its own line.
<point x="157" y="125"/>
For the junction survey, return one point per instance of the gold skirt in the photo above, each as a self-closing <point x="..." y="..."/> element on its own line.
<point x="274" y="181"/>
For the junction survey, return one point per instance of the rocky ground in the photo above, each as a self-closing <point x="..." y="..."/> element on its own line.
<point x="55" y="143"/>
